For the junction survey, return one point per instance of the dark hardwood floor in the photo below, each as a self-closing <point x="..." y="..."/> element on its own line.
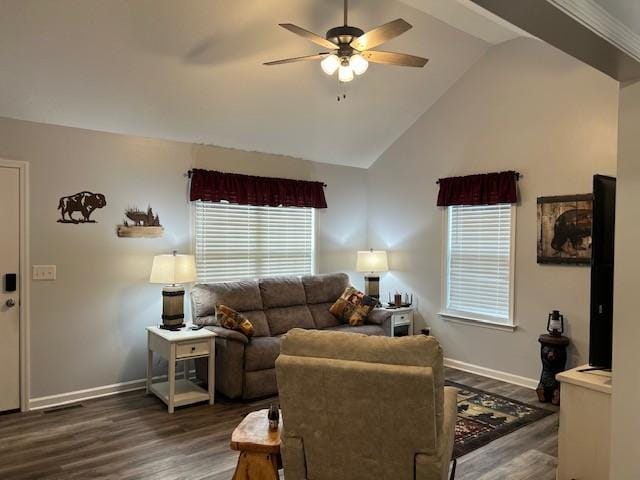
<point x="131" y="436"/>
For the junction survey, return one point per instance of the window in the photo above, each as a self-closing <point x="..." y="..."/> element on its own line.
<point x="235" y="242"/>
<point x="479" y="263"/>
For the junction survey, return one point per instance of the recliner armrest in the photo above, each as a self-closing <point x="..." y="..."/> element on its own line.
<point x="450" y="414"/>
<point x="228" y="334"/>
<point x="430" y="467"/>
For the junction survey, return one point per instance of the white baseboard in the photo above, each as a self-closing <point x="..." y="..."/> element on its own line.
<point x="132" y="385"/>
<point x="81" y="395"/>
<point x="96" y="392"/>
<point x="490" y="373"/>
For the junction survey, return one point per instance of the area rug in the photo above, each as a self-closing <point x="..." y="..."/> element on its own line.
<point x="484" y="417"/>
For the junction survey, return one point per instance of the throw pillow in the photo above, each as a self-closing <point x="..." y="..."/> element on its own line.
<point x="353" y="307"/>
<point x="232" y="320"/>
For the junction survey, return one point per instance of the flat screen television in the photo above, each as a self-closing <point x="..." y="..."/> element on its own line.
<point x="602" y="255"/>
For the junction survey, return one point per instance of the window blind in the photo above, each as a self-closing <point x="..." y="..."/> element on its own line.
<point x="235" y="242"/>
<point x="479" y="262"/>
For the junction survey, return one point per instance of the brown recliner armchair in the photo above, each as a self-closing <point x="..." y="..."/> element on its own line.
<point x="358" y="407"/>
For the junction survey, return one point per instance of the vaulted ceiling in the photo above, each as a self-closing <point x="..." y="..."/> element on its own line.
<point x="191" y="70"/>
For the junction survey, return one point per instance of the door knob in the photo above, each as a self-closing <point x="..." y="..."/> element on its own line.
<point x="10" y="303"/>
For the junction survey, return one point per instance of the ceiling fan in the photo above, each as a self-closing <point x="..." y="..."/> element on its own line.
<point x="350" y="48"/>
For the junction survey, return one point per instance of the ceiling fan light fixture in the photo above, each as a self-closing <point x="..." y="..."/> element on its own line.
<point x="330" y="64"/>
<point x="345" y="73"/>
<point x="358" y="63"/>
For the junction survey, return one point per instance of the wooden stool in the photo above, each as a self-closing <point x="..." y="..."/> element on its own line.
<point x="259" y="448"/>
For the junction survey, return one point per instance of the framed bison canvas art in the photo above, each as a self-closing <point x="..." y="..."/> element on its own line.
<point x="564" y="229"/>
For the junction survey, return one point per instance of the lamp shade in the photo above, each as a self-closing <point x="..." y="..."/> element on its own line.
<point x="173" y="269"/>
<point x="372" y="261"/>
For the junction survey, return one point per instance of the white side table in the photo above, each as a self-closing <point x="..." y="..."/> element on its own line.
<point x="585" y="424"/>
<point x="401" y="321"/>
<point x="176" y="346"/>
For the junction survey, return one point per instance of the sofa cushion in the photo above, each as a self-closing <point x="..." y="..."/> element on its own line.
<point x="365" y="329"/>
<point x="259" y="322"/>
<point x="283" y="319"/>
<point x="261" y="353"/>
<point x="228" y="318"/>
<point x="241" y="296"/>
<point x="324" y="288"/>
<point x="282" y="292"/>
<point x="322" y="317"/>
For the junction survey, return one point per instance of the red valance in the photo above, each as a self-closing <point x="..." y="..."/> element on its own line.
<point x="212" y="186"/>
<point x="483" y="189"/>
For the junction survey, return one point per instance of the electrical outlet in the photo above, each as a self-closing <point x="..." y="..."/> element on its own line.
<point x="44" y="272"/>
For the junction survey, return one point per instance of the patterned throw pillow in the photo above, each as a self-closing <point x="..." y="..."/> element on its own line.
<point x="353" y="307"/>
<point x="232" y="320"/>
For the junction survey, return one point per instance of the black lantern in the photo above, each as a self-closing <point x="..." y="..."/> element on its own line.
<point x="555" y="324"/>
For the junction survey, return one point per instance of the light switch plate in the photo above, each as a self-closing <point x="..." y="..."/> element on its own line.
<point x="44" y="272"/>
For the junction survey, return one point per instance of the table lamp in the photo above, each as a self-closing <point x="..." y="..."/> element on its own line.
<point x="173" y="270"/>
<point x="372" y="262"/>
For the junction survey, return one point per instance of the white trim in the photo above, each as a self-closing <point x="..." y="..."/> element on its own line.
<point x="512" y="270"/>
<point x="597" y="19"/>
<point x="86" y="394"/>
<point x="465" y="317"/>
<point x="25" y="283"/>
<point x="475" y="321"/>
<point x="490" y="373"/>
<point x="314" y="242"/>
<point x="59" y="399"/>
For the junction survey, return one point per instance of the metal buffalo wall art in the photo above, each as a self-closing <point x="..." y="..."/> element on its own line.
<point x="83" y="203"/>
<point x="564" y="229"/>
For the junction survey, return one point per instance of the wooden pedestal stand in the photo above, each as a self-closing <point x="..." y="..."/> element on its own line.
<point x="553" y="352"/>
<point x="259" y="448"/>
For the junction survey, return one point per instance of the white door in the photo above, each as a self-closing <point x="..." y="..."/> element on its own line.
<point x="9" y="300"/>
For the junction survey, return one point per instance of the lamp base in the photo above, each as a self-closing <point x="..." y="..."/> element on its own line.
<point x="172" y="307"/>
<point x="172" y="327"/>
<point x="372" y="286"/>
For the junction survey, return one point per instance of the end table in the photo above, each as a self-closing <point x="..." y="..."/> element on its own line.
<point x="401" y="321"/>
<point x="176" y="346"/>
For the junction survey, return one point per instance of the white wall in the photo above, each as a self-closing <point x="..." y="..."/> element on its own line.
<point x="87" y="327"/>
<point x="524" y="106"/>
<point x="626" y="325"/>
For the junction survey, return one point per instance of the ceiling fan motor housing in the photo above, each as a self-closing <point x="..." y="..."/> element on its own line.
<point x="343" y="36"/>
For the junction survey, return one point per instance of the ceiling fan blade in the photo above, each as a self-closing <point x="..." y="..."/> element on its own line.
<point x="392" y="58"/>
<point x="379" y="35"/>
<point x="317" y="39"/>
<point x="319" y="56"/>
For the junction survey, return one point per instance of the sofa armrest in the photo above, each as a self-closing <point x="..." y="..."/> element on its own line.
<point x="228" y="334"/>
<point x="378" y="316"/>
<point x="229" y="362"/>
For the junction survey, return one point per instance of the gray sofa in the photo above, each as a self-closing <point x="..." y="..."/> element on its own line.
<point x="245" y="367"/>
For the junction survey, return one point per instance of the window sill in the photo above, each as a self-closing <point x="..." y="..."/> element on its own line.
<point x="478" y="322"/>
